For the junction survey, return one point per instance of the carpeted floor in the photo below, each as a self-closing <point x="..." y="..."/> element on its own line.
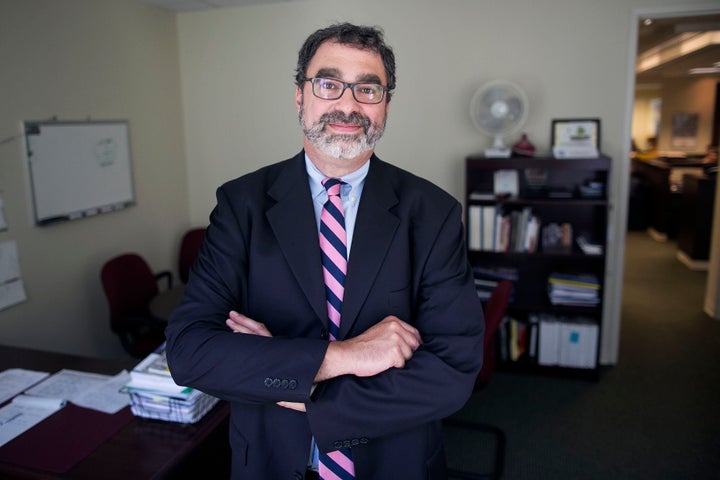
<point x="654" y="415"/>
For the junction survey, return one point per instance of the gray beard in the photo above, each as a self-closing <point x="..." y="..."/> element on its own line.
<point x="342" y="146"/>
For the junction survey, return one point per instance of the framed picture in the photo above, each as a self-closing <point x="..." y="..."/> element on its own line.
<point x="575" y="137"/>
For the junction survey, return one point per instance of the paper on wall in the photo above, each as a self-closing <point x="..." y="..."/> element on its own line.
<point x="12" y="289"/>
<point x="3" y="223"/>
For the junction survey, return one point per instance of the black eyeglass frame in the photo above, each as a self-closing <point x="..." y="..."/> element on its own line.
<point x="346" y="85"/>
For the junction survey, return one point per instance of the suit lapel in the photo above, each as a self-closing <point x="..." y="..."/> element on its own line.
<point x="374" y="230"/>
<point x="292" y="219"/>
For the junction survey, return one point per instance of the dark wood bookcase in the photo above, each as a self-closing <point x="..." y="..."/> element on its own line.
<point x="555" y="191"/>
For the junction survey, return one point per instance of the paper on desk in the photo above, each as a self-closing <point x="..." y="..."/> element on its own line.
<point x="89" y="390"/>
<point x="15" y="380"/>
<point x="23" y="412"/>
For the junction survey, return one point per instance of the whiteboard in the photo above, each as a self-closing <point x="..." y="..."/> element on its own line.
<point x="78" y="169"/>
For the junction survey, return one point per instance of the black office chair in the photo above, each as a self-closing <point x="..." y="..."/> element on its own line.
<point x="130" y="285"/>
<point x="494" y="311"/>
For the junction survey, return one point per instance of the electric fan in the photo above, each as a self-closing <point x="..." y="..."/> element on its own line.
<point x="498" y="109"/>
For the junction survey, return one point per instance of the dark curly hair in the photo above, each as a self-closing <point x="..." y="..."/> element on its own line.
<point x="366" y="38"/>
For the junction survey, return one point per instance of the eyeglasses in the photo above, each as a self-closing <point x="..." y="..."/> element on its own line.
<point x="329" y="89"/>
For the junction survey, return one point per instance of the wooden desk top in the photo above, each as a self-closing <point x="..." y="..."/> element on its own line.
<point x="144" y="448"/>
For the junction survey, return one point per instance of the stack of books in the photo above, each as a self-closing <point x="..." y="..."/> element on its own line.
<point x="486" y="279"/>
<point x="490" y="229"/>
<point x="580" y="290"/>
<point x="154" y="394"/>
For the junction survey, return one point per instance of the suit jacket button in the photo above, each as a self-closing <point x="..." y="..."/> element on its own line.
<point x="355" y="442"/>
<point x="364" y="440"/>
<point x="268" y="382"/>
<point x="292" y="385"/>
<point x="284" y="384"/>
<point x="276" y="383"/>
<point x="338" y="445"/>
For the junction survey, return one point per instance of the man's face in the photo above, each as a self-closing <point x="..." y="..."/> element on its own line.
<point x="342" y="128"/>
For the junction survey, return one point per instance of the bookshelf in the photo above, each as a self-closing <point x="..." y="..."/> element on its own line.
<point x="542" y="223"/>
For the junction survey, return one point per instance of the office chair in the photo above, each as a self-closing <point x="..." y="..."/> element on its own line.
<point x="130" y="285"/>
<point x="189" y="248"/>
<point x="494" y="310"/>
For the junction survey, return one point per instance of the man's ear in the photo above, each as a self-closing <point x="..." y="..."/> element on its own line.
<point x="298" y="98"/>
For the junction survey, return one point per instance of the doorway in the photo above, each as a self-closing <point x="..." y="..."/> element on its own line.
<point x="671" y="74"/>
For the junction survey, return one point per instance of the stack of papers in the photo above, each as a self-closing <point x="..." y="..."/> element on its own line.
<point x="154" y="394"/>
<point x="580" y="290"/>
<point x="37" y="395"/>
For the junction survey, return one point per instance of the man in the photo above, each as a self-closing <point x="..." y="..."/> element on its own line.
<point x="349" y="364"/>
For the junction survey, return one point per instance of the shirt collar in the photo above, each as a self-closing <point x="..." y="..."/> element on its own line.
<point x="353" y="180"/>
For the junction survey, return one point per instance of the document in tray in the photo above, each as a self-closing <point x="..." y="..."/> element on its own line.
<point x="16" y="380"/>
<point x="89" y="390"/>
<point x="23" y="412"/>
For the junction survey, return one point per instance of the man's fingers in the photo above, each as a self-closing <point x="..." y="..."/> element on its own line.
<point x="239" y="323"/>
<point x="298" y="407"/>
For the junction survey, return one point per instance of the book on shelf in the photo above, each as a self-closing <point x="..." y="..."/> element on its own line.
<point x="519" y="339"/>
<point x="578" y="290"/>
<point x="486" y="279"/>
<point x="473" y="227"/>
<point x="496" y="273"/>
<point x="492" y="230"/>
<point x="567" y="341"/>
<point x="478" y="195"/>
<point x="578" y="280"/>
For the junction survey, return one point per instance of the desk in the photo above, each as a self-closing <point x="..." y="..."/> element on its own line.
<point x="142" y="449"/>
<point x="662" y="200"/>
<point x="696" y="221"/>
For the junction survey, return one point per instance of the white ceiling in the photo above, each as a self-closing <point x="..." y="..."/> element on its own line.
<point x="662" y="37"/>
<point x="190" y="5"/>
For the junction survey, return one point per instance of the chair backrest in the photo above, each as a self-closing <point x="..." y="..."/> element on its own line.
<point x="189" y="248"/>
<point x="495" y="309"/>
<point x="129" y="285"/>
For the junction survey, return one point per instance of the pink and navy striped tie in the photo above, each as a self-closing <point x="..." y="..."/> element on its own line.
<point x="333" y="244"/>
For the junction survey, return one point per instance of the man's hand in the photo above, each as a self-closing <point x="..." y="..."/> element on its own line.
<point x="239" y="323"/>
<point x="388" y="344"/>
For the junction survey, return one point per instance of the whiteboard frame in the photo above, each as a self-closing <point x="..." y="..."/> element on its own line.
<point x="106" y="190"/>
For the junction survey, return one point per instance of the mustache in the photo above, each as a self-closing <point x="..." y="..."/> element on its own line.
<point x="354" y="118"/>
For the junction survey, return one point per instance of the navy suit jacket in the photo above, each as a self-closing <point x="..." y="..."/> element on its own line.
<point x="261" y="257"/>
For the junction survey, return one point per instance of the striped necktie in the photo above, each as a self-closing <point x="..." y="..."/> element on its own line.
<point x="333" y="244"/>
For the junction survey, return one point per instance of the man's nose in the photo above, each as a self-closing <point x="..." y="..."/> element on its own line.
<point x="347" y="100"/>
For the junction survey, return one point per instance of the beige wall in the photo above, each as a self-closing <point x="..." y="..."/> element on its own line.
<point x="644" y="116"/>
<point x="80" y="59"/>
<point x="119" y="59"/>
